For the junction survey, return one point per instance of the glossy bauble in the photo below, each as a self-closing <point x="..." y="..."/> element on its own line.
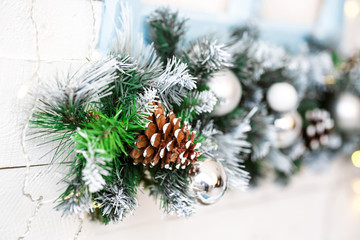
<point x="227" y="88"/>
<point x="288" y="128"/>
<point x="347" y="111"/>
<point x="208" y="181"/>
<point x="282" y="97"/>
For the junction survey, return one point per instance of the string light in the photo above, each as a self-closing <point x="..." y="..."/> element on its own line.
<point x="352" y="8"/>
<point x="330" y="79"/>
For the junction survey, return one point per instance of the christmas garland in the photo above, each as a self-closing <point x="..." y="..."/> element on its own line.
<point x="189" y="122"/>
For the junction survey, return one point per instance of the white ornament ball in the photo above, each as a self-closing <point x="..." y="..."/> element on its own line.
<point x="347" y="111"/>
<point x="227" y="88"/>
<point x="282" y="97"/>
<point x="208" y="181"/>
<point x="288" y="128"/>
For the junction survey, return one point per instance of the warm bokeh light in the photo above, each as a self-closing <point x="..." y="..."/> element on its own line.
<point x="356" y="186"/>
<point x="352" y="8"/>
<point x="355" y="158"/>
<point x="356" y="203"/>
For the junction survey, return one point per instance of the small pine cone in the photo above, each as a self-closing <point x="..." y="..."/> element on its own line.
<point x="165" y="143"/>
<point x="316" y="134"/>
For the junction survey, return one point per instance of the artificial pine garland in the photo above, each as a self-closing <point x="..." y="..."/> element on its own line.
<point x="125" y="121"/>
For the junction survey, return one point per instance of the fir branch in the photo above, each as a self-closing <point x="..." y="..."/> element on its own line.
<point x="228" y="122"/>
<point x="260" y="135"/>
<point x="228" y="149"/>
<point x="205" y="57"/>
<point x="125" y="38"/>
<point x="266" y="57"/>
<point x="206" y="101"/>
<point x="195" y="104"/>
<point x="96" y="160"/>
<point x="112" y="134"/>
<point x="174" y="83"/>
<point x="166" y="30"/>
<point x="173" y="188"/>
<point x="242" y="67"/>
<point x="117" y="200"/>
<point x="297" y="70"/>
<point x="280" y="161"/>
<point x="65" y="105"/>
<point x="129" y="45"/>
<point x="76" y="199"/>
<point x="249" y="29"/>
<point x="126" y="87"/>
<point x="101" y="141"/>
<point x="145" y="104"/>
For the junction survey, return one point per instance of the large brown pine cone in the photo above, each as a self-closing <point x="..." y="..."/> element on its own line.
<point x="165" y="143"/>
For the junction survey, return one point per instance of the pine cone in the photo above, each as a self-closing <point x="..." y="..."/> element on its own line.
<point x="165" y="143"/>
<point x="316" y="134"/>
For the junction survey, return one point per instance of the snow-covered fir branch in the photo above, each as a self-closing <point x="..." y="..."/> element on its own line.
<point x="124" y="40"/>
<point x="87" y="85"/>
<point x="206" y="101"/>
<point x="116" y="200"/>
<point x="78" y="200"/>
<point x="266" y="57"/>
<point x="95" y="167"/>
<point x="260" y="136"/>
<point x="297" y="69"/>
<point x="228" y="150"/>
<point x="144" y="103"/>
<point x="176" y="196"/>
<point x="280" y="161"/>
<point x="174" y="83"/>
<point x="209" y="54"/>
<point x="320" y="65"/>
<point x="127" y="43"/>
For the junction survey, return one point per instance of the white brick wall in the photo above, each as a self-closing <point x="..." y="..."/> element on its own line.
<point x="41" y="38"/>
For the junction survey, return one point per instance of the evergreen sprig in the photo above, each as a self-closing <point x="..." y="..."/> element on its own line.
<point x="172" y="187"/>
<point x="166" y="30"/>
<point x="206" y="56"/>
<point x="64" y="105"/>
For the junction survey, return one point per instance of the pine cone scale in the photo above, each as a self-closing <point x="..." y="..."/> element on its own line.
<point x="165" y="143"/>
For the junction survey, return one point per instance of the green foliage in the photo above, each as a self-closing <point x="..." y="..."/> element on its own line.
<point x="228" y="122"/>
<point x="112" y="134"/>
<point x="118" y="198"/>
<point x="59" y="125"/>
<point x="197" y="69"/>
<point x="172" y="188"/>
<point x="186" y="110"/>
<point x="241" y="62"/>
<point x="125" y="89"/>
<point x="166" y="30"/>
<point x="255" y="170"/>
<point x="75" y="199"/>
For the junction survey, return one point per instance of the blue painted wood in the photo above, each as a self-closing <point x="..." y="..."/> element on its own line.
<point x="110" y="19"/>
<point x="327" y="29"/>
<point x="329" y="26"/>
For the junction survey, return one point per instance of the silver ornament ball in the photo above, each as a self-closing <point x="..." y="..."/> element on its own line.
<point x="208" y="181"/>
<point x="282" y="97"/>
<point x="347" y="111"/>
<point x="227" y="88"/>
<point x="288" y="128"/>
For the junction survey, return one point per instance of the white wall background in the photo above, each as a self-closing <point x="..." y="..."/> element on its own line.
<point x="40" y="38"/>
